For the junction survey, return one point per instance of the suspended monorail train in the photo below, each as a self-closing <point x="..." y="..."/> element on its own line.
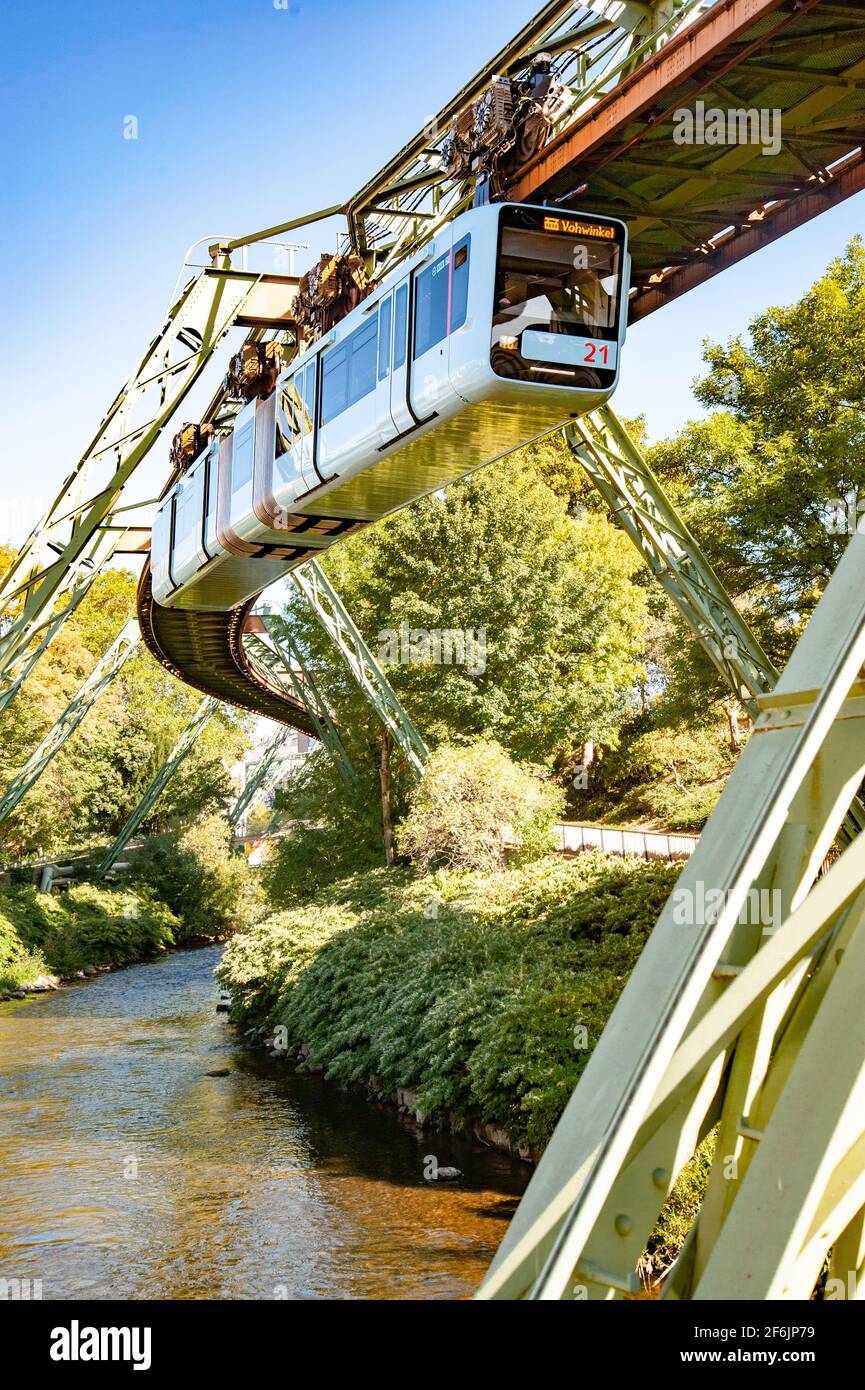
<point x="505" y="326"/>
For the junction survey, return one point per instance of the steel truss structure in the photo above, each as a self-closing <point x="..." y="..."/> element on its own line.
<point x="638" y="503"/>
<point x="339" y="625"/>
<point x="203" y="714"/>
<point x="262" y="780"/>
<point x="594" y="44"/>
<point x="82" y="529"/>
<point x="125" y="645"/>
<point x="285" y="659"/>
<point x="750" y="980"/>
<point x="731" y="1012"/>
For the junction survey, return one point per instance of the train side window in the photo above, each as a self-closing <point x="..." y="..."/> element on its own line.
<point x="431" y="306"/>
<point x="241" y="461"/>
<point x="309" y="392"/>
<point x="334" y="383"/>
<point x="287" y="417"/>
<point x="460" y="286"/>
<point x="364" y="351"/>
<point x="349" y="371"/>
<point x="384" y="319"/>
<point x="400" y="329"/>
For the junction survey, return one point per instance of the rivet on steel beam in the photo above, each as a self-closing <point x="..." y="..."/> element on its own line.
<point x="747" y="1130"/>
<point x="723" y="971"/>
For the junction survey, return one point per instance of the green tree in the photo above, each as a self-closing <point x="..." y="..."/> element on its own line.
<point x="96" y="779"/>
<point x="500" y="555"/>
<point x="769" y="479"/>
<point x="543" y="601"/>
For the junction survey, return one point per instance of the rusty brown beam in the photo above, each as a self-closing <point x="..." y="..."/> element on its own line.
<point x="693" y="55"/>
<point x="743" y="241"/>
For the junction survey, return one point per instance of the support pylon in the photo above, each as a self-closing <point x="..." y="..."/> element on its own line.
<point x="749" y="982"/>
<point x="292" y="667"/>
<point x="196" y="725"/>
<point x="334" y="617"/>
<point x="262" y="779"/>
<point x="638" y="504"/>
<point x="109" y="665"/>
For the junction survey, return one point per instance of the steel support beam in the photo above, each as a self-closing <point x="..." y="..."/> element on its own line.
<point x="75" y="537"/>
<point x="262" y="779"/>
<point x="675" y="1058"/>
<point x="110" y="665"/>
<point x="638" y="503"/>
<point x="337" y="622"/>
<point x="690" y="54"/>
<point x="203" y="714"/>
<point x="640" y="506"/>
<point x="292" y="668"/>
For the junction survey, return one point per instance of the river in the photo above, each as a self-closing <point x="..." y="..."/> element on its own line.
<point x="127" y="1172"/>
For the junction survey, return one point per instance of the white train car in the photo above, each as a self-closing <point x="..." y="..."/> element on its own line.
<point x="505" y="326"/>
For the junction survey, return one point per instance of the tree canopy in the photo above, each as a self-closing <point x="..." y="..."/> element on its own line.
<point x="98" y="776"/>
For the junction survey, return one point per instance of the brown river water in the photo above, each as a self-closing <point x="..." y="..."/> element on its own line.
<point x="126" y="1172"/>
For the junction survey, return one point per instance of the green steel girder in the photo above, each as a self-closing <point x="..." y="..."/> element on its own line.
<point x="44" y="630"/>
<point x="203" y="714"/>
<point x="291" y="667"/>
<point x="110" y="665"/>
<point x="593" y="42"/>
<point x="727" y="1020"/>
<point x="639" y="505"/>
<point x="76" y="537"/>
<point x="334" y="617"/>
<point x="262" y="779"/>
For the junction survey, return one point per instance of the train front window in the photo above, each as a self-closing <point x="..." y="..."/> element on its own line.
<point x="556" y="274"/>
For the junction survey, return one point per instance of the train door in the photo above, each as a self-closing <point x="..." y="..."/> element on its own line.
<point x="306" y="386"/>
<point x="292" y="473"/>
<point x="429" y="326"/>
<point x="400" y="410"/>
<point x="160" y="551"/>
<point x="385" y="423"/>
<point x="211" y="465"/>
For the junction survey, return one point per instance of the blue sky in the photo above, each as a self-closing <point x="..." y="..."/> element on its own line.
<point x="248" y="115"/>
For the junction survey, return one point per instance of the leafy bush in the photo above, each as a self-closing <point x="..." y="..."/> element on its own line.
<point x="44" y="933"/>
<point x="669" y="775"/>
<point x="307" y="858"/>
<point x="210" y="889"/>
<point x="470" y="988"/>
<point x="681" y="1207"/>
<point x="328" y="833"/>
<point x="470" y="803"/>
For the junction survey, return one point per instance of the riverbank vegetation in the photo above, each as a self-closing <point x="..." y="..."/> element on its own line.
<point x="183" y="889"/>
<point x="44" y="936"/>
<point x="482" y="993"/>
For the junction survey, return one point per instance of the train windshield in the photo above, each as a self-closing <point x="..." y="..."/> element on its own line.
<point x="555" y="274"/>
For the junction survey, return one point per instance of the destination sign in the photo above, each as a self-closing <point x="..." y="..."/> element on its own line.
<point x="573" y="228"/>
